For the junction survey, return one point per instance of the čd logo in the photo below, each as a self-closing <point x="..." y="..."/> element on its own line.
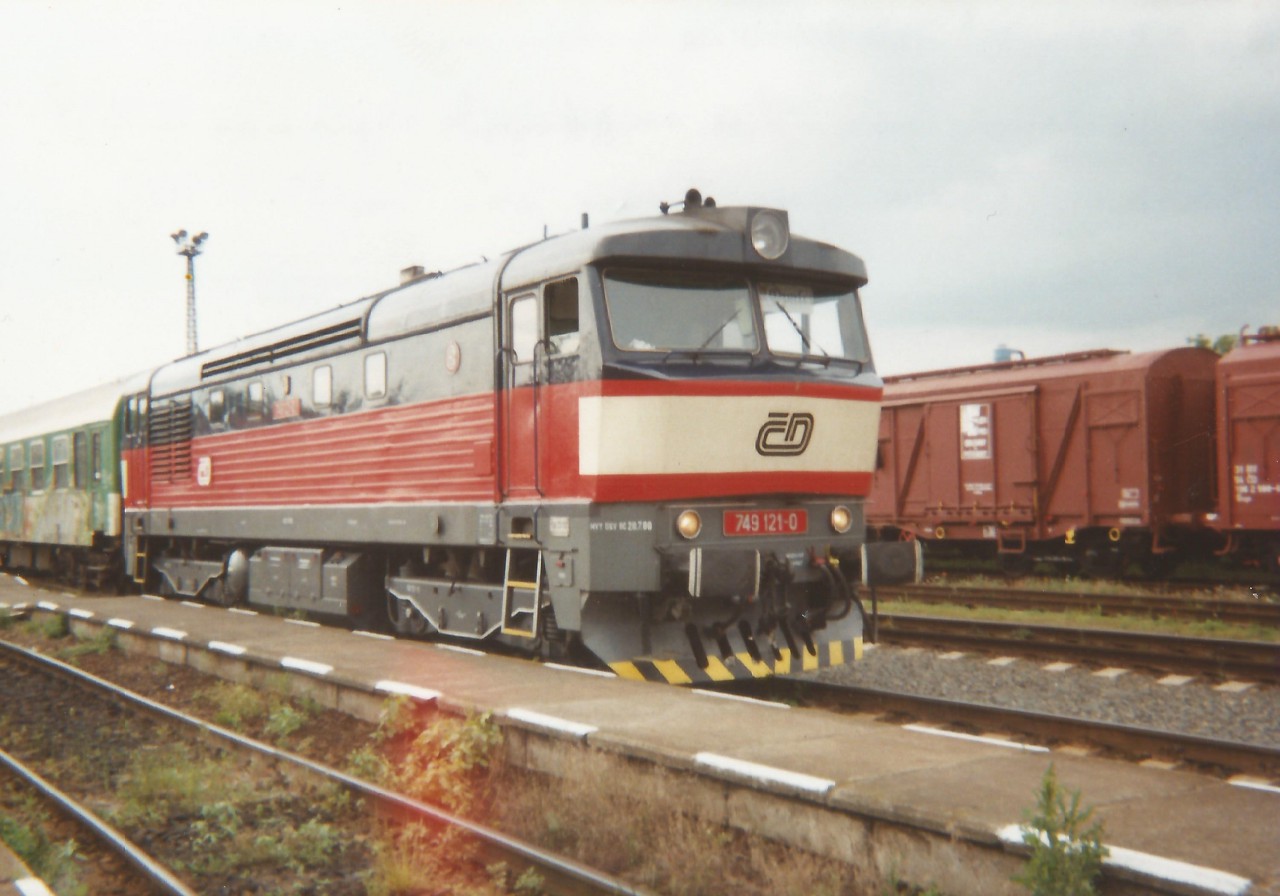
<point x="784" y="434"/>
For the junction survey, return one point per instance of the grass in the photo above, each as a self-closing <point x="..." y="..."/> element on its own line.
<point x="1090" y="617"/>
<point x="51" y="861"/>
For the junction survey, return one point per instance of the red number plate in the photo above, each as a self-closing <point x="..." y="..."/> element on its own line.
<point x="766" y="522"/>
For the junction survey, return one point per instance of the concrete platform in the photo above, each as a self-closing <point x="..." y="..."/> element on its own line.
<point x="16" y="879"/>
<point x="932" y="809"/>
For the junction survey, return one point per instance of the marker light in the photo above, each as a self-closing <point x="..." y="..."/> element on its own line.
<point x="689" y="524"/>
<point x="841" y="519"/>
<point x="769" y="233"/>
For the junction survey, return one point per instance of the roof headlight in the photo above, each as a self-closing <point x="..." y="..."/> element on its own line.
<point x="770" y="234"/>
<point x="689" y="524"/>
<point x="841" y="519"/>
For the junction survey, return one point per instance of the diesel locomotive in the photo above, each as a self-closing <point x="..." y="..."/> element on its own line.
<point x="649" y="439"/>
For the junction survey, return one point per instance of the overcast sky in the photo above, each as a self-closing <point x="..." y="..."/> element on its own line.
<point x="1053" y="176"/>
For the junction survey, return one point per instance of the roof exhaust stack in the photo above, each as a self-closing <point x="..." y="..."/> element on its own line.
<point x="409" y="274"/>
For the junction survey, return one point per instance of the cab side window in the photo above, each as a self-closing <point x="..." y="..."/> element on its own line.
<point x="561" y="302"/>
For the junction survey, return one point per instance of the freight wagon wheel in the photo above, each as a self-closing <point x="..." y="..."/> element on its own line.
<point x="1015" y="566"/>
<point x="1101" y="563"/>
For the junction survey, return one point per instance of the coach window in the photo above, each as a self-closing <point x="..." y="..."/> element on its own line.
<point x="17" y="463"/>
<point x="375" y="375"/>
<point x="217" y="407"/>
<point x="322" y="386"/>
<point x="80" y="458"/>
<point x="61" y="462"/>
<point x="257" y="400"/>
<point x="95" y="456"/>
<point x="35" y="462"/>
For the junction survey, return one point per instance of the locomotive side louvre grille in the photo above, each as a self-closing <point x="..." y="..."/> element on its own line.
<point x="326" y="336"/>
<point x="169" y="435"/>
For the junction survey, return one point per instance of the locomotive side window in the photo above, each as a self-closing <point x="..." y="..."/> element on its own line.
<point x="217" y="407"/>
<point x="61" y="462"/>
<point x="375" y="375"/>
<point x="35" y="459"/>
<point x="322" y="386"/>
<point x="524" y="328"/>
<point x="257" y="399"/>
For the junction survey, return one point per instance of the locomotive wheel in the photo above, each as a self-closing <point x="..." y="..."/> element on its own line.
<point x="404" y="616"/>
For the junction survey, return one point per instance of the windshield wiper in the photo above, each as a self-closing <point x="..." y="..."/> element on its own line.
<point x="808" y="348"/>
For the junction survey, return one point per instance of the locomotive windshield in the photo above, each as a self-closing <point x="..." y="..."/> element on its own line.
<point x="661" y="311"/>
<point x="678" y="311"/>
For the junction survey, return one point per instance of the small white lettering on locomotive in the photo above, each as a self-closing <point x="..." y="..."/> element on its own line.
<point x="204" y="472"/>
<point x="622" y="526"/>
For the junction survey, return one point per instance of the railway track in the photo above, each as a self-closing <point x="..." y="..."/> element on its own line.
<point x="119" y="864"/>
<point x="1164" y="606"/>
<point x="1223" y="757"/>
<point x="558" y="875"/>
<point x="1222" y="657"/>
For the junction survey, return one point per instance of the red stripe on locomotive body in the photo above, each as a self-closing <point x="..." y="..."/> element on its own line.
<point x="431" y="451"/>
<point x="443" y="451"/>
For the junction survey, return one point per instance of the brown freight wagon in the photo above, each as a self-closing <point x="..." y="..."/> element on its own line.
<point x="1095" y="458"/>
<point x="1248" y="387"/>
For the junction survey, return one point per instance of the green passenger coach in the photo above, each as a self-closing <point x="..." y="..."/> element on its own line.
<point x="60" y="486"/>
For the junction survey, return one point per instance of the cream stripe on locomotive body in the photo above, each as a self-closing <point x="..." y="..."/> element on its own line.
<point x="651" y="439"/>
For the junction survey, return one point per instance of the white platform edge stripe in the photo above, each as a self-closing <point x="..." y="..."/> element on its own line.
<point x="81" y="614"/>
<point x="552" y="723"/>
<point x="20" y="580"/>
<point x="301" y="665"/>
<point x="407" y="690"/>
<point x="560" y="667"/>
<point x="754" y="701"/>
<point x="304" y="622"/>
<point x="46" y="605"/>
<point x="224" y="647"/>
<point x="1210" y="879"/>
<point x="757" y="772"/>
<point x="172" y="634"/>
<point x="974" y="738"/>
<point x="377" y="636"/>
<point x="32" y="886"/>
<point x="1255" y="785"/>
<point x="120" y="623"/>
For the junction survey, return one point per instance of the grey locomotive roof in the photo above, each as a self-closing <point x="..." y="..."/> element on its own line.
<point x="715" y="235"/>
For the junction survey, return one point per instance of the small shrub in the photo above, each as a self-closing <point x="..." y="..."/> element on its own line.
<point x="1066" y="850"/>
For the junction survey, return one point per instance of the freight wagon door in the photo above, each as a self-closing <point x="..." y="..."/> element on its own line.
<point x="997" y="459"/>
<point x="1117" y="473"/>
<point x="1253" y="449"/>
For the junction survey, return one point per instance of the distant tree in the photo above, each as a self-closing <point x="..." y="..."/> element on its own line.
<point x="1221" y="345"/>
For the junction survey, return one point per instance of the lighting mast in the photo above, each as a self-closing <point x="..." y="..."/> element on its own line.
<point x="190" y="250"/>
